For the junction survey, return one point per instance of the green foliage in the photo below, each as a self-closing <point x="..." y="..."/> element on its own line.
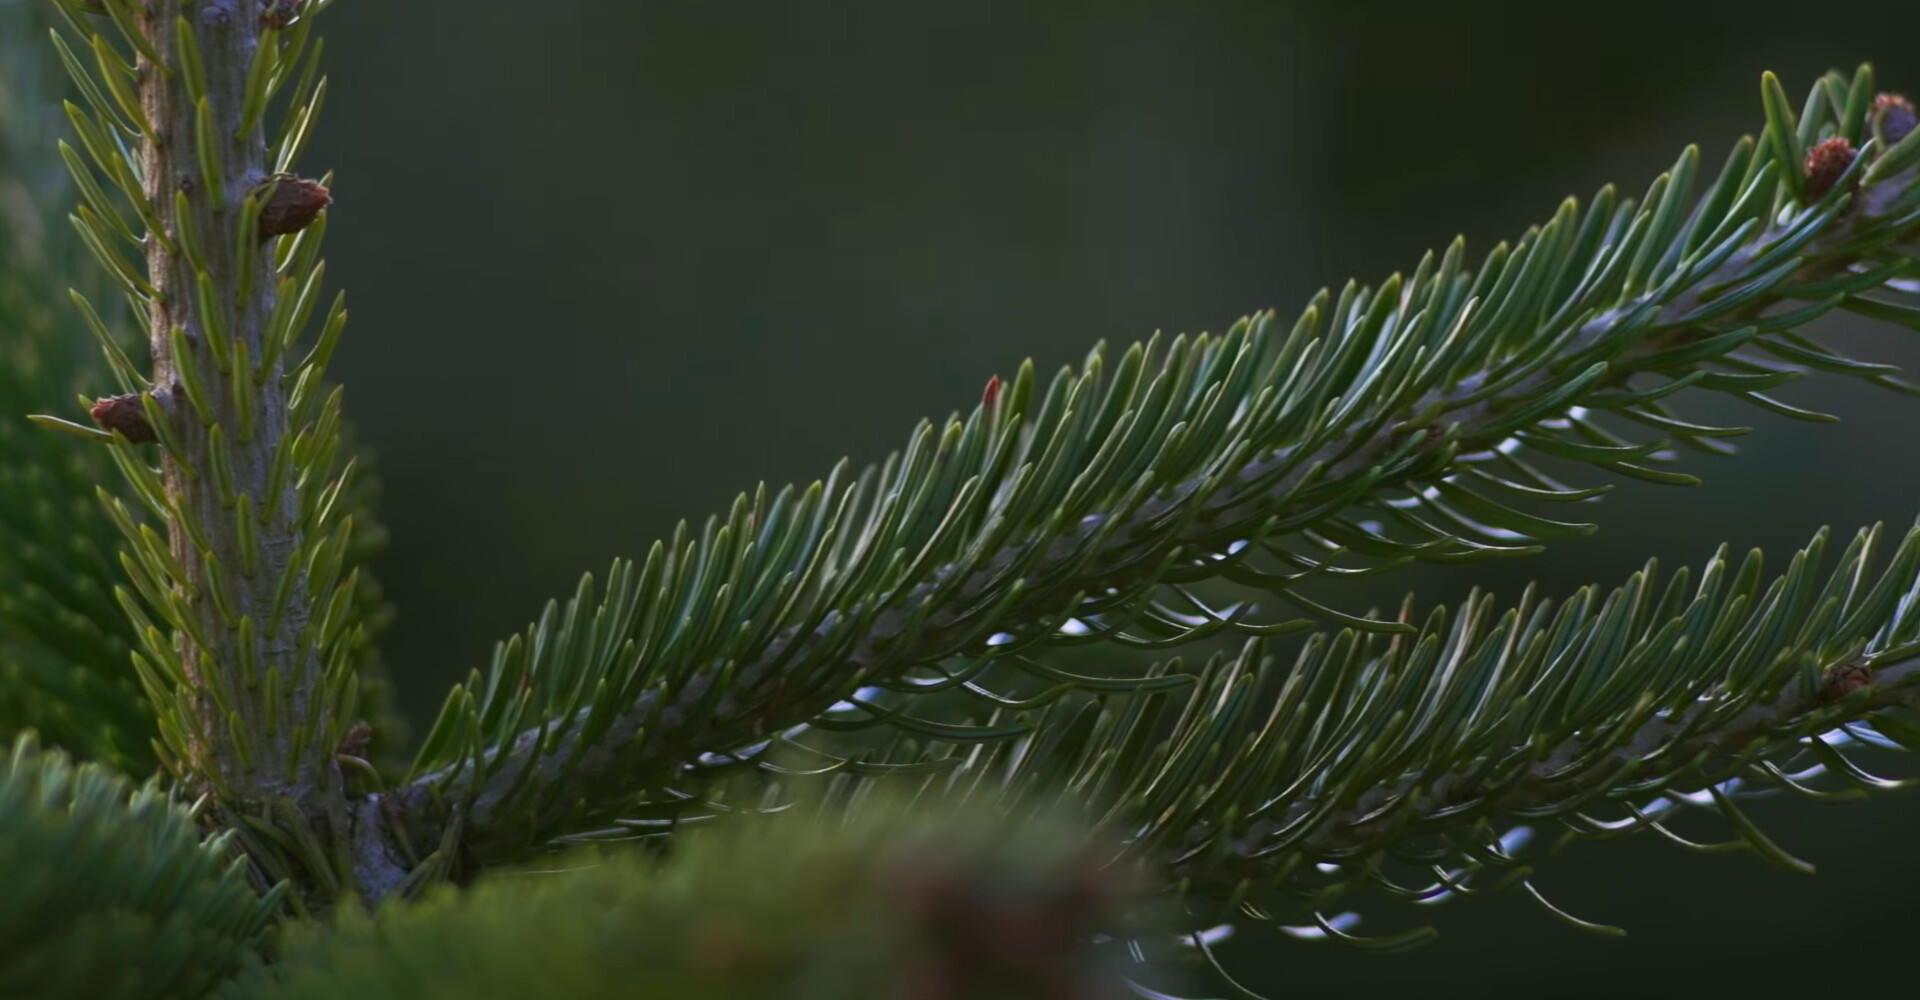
<point x="64" y="642"/>
<point x="1416" y="421"/>
<point x="110" y="894"/>
<point x="1404" y="763"/>
<point x="904" y="631"/>
<point x="252" y="573"/>
<point x="953" y="910"/>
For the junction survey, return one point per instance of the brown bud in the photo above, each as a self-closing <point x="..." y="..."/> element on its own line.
<point x="279" y="13"/>
<point x="354" y="742"/>
<point x="292" y="204"/>
<point x="1825" y="163"/>
<point x="992" y="395"/>
<point x="1843" y="681"/>
<point x="124" y="415"/>
<point x="1893" y="118"/>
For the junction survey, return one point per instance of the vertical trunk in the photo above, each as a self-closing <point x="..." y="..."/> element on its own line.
<point x="256" y="677"/>
<point x="256" y="602"/>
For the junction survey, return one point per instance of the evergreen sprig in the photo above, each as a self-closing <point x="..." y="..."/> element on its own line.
<point x="259" y="493"/>
<point x="922" y="905"/>
<point x="1386" y="425"/>
<point x="1405" y="763"/>
<point x="899" y="629"/>
<point x="1419" y="764"/>
<point x="64" y="643"/>
<point x="245" y="606"/>
<point x="110" y="892"/>
<point x="67" y="641"/>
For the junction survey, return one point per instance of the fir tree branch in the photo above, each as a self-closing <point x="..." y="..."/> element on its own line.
<point x="1373" y="760"/>
<point x="1696" y="737"/>
<point x="1407" y="388"/>
<point x="112" y="891"/>
<point x="926" y="906"/>
<point x="64" y="643"/>
<point x="202" y="179"/>
<point x="1623" y="709"/>
<point x="249" y="612"/>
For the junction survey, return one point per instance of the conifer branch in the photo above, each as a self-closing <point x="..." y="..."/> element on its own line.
<point x="1405" y="763"/>
<point x="209" y="314"/>
<point x="1651" y="703"/>
<point x="247" y="610"/>
<point x="64" y="643"/>
<point x="1702" y="737"/>
<point x="113" y="892"/>
<point x="1388" y="425"/>
<point x="1015" y="528"/>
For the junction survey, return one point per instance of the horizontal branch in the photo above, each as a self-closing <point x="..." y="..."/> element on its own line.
<point x="1683" y="743"/>
<point x="515" y="795"/>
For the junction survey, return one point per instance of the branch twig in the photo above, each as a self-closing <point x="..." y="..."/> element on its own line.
<point x="647" y="742"/>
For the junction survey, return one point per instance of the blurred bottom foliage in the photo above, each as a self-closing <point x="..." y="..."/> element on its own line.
<point x="107" y="891"/>
<point x="896" y="903"/>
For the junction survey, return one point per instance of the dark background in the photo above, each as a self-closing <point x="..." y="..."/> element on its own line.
<point x="611" y="263"/>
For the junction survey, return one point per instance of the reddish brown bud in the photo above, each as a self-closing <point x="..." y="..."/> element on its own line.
<point x="1825" y="163"/>
<point x="356" y="739"/>
<point x="1893" y="118"/>
<point x="1843" y="681"/>
<point x="992" y="395"/>
<point x="124" y="415"/>
<point x="280" y="13"/>
<point x="292" y="204"/>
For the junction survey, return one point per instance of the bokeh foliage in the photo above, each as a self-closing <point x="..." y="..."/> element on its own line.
<point x="111" y="891"/>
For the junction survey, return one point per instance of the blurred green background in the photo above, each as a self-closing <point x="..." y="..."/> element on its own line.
<point x="611" y="263"/>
